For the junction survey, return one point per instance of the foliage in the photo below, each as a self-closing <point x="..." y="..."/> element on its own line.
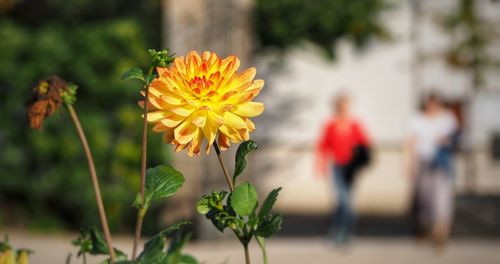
<point x="89" y="42"/>
<point x="91" y="242"/>
<point x="161" y="182"/>
<point x="238" y="210"/>
<point x="281" y="24"/>
<point x="472" y="37"/>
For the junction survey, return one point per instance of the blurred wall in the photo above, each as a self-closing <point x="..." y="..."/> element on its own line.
<point x="386" y="81"/>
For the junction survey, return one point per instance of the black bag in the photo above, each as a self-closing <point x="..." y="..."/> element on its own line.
<point x="361" y="157"/>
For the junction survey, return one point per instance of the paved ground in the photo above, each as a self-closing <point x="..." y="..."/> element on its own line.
<point x="54" y="250"/>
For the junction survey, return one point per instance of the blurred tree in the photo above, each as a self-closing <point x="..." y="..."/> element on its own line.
<point x="44" y="180"/>
<point x="473" y="50"/>
<point x="281" y="24"/>
<point x="473" y="37"/>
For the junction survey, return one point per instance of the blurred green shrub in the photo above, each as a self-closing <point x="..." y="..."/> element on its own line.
<point x="44" y="179"/>
<point x="281" y="24"/>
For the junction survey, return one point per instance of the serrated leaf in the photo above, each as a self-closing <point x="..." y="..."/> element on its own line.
<point x="244" y="199"/>
<point x="154" y="249"/>
<point x="269" y="202"/>
<point x="240" y="162"/>
<point x="269" y="225"/>
<point x="253" y="219"/>
<point x="161" y="182"/>
<point x="133" y="73"/>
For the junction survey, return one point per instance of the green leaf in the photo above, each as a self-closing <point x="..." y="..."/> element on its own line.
<point x="188" y="259"/>
<point x="161" y="182"/>
<point x="133" y="73"/>
<point x="269" y="203"/>
<point x="269" y="225"/>
<point x="243" y="149"/>
<point x="203" y="206"/>
<point x="92" y="241"/>
<point x="174" y="252"/>
<point x="154" y="249"/>
<point x="212" y="206"/>
<point x="253" y="220"/>
<point x="216" y="218"/>
<point x="98" y="242"/>
<point x="244" y="199"/>
<point x="211" y="201"/>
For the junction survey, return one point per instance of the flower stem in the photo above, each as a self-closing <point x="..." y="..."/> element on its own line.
<point x="141" y="213"/>
<point x="231" y="187"/>
<point x="247" y="254"/>
<point x="95" y="182"/>
<point x="226" y="174"/>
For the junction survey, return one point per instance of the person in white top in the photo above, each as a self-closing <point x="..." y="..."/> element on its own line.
<point x="429" y="147"/>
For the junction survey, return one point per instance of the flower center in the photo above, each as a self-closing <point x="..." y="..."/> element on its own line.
<point x="201" y="87"/>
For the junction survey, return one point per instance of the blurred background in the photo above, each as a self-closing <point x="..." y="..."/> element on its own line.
<point x="386" y="54"/>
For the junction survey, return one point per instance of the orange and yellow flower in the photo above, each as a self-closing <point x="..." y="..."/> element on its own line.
<point x="204" y="97"/>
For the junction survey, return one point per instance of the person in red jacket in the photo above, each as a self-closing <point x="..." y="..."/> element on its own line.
<point x="342" y="139"/>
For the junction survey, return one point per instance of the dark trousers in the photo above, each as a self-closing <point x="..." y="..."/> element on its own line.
<point x="343" y="218"/>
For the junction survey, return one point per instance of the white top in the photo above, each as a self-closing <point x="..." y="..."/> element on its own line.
<point x="428" y="131"/>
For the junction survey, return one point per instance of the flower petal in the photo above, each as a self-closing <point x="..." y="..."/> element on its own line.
<point x="172" y="120"/>
<point x="249" y="109"/>
<point x="223" y="142"/>
<point x="156" y="115"/>
<point x="168" y="136"/>
<point x="234" y="121"/>
<point x="194" y="147"/>
<point x="184" y="110"/>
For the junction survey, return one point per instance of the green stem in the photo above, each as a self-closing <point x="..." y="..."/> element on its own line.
<point x="95" y="182"/>
<point x="226" y="174"/>
<point x="262" y="244"/>
<point x="231" y="187"/>
<point x="141" y="212"/>
<point x="247" y="254"/>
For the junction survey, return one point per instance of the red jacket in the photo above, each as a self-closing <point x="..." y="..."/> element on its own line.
<point x="337" y="143"/>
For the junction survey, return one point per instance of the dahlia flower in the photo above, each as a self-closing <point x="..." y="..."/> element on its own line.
<point x="203" y="97"/>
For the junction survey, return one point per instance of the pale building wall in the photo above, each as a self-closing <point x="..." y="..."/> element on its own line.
<point x="381" y="83"/>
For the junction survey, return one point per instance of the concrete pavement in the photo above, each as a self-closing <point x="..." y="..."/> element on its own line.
<point x="54" y="249"/>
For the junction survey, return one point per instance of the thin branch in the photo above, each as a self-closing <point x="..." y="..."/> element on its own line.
<point x="95" y="182"/>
